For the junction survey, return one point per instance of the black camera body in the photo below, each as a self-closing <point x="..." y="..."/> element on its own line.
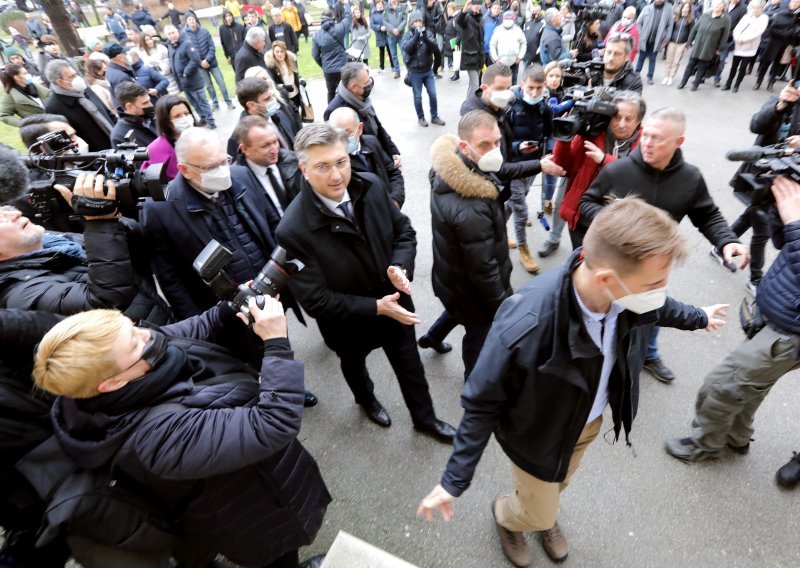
<point x="269" y="282"/>
<point x="590" y="115"/>
<point x="581" y="74"/>
<point x="59" y="162"/>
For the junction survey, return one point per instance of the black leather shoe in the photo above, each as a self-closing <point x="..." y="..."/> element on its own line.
<point x="659" y="370"/>
<point x="310" y="400"/>
<point x="377" y="413"/>
<point x="427" y="343"/>
<point x="789" y="475"/>
<point x="439" y="430"/>
<point x="313" y="562"/>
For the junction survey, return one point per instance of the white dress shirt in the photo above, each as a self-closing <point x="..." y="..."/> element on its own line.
<point x="261" y="175"/>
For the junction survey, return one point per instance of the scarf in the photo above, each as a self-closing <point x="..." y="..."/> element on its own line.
<point x="87" y="105"/>
<point x="620" y="148"/>
<point x="364" y="108"/>
<point x="55" y="243"/>
<point x="28" y="90"/>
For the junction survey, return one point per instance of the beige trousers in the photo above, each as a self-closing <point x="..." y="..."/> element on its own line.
<point x="675" y="53"/>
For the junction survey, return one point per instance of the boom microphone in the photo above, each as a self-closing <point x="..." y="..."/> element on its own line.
<point x="14" y="181"/>
<point x="756" y="153"/>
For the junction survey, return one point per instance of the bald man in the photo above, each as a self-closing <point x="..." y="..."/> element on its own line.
<point x="367" y="154"/>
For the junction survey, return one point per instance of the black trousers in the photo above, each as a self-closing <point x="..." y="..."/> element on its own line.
<point x="696" y="67"/>
<point x="742" y="63"/>
<point x="758" y="220"/>
<point x="471" y="345"/>
<point x="400" y="345"/>
<point x="382" y="52"/>
<point x="771" y="59"/>
<point x="331" y="82"/>
<point x="576" y="235"/>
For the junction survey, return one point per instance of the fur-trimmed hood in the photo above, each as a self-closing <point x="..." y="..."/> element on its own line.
<point x="269" y="60"/>
<point x="448" y="164"/>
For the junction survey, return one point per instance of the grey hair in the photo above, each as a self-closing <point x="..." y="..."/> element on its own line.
<point x="169" y="28"/>
<point x="194" y="136"/>
<point x="343" y="113"/>
<point x="351" y="71"/>
<point x="631" y="98"/>
<point x="672" y="115"/>
<point x="316" y="134"/>
<point x="549" y="14"/>
<point x="754" y="3"/>
<point x="261" y="73"/>
<point x="254" y="34"/>
<point x="628" y="43"/>
<point x="54" y="69"/>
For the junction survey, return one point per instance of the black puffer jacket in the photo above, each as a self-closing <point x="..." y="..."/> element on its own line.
<point x="470" y="31"/>
<point x="537" y="376"/>
<point x="679" y="189"/>
<point x="471" y="269"/>
<point x="231" y="37"/>
<point x="62" y="284"/>
<point x="419" y="50"/>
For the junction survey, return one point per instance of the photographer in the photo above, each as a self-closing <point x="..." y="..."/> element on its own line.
<point x="583" y="159"/>
<point x="733" y="391"/>
<point x="618" y="72"/>
<point x="66" y="273"/>
<point x="135" y="397"/>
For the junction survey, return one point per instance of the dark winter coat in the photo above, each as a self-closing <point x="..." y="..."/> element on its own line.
<point x="419" y="50"/>
<point x="471" y="269"/>
<point x="767" y="121"/>
<point x="627" y="80"/>
<point x="143" y="131"/>
<point x="149" y="78"/>
<point x="551" y="45"/>
<point x="529" y="122"/>
<point x="679" y="189"/>
<point x="708" y="36"/>
<point x="781" y="31"/>
<point x="470" y="32"/>
<point x="450" y="33"/>
<point x="82" y="121"/>
<point x="327" y="47"/>
<point x="117" y="74"/>
<point x="246" y="58"/>
<point x="62" y="284"/>
<point x="433" y="17"/>
<point x="230" y="459"/>
<point x="346" y="264"/>
<point x="537" y="376"/>
<point x="376" y="23"/>
<point x="779" y="291"/>
<point x="202" y="40"/>
<point x="284" y="33"/>
<point x="231" y="37"/>
<point x="143" y="18"/>
<point x="533" y="35"/>
<point x="184" y="59"/>
<point x="286" y="121"/>
<point x="181" y="226"/>
<point x="380" y="133"/>
<point x="381" y="164"/>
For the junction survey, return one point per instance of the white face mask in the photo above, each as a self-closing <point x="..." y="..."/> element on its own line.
<point x="216" y="180"/>
<point x="508" y="24"/>
<point x="501" y="99"/>
<point x="183" y="123"/>
<point x="491" y="161"/>
<point x="642" y="302"/>
<point x="78" y="85"/>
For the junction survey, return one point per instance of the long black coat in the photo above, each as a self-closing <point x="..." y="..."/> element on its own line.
<point x="380" y="132"/>
<point x="82" y="121"/>
<point x="471" y="268"/>
<point x="382" y="165"/>
<point x="246" y="58"/>
<point x="231" y="37"/>
<point x="470" y="31"/>
<point x="179" y="229"/>
<point x="345" y="266"/>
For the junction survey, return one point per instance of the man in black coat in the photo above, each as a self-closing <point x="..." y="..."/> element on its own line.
<point x="367" y="155"/>
<point x="469" y="25"/>
<point x="74" y="100"/>
<point x="258" y="99"/>
<point x="656" y="172"/>
<point x="231" y="36"/>
<point x="533" y="33"/>
<point x="471" y="269"/>
<point x="618" y="72"/>
<point x="354" y="91"/>
<point x="564" y="347"/>
<point x="251" y="54"/>
<point x="282" y="31"/>
<point x="358" y="251"/>
<point x="68" y="273"/>
<point x="137" y="113"/>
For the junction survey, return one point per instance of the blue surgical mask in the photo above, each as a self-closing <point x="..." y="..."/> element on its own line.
<point x="532" y="100"/>
<point x="272" y="107"/>
<point x="28" y="79"/>
<point x="352" y="145"/>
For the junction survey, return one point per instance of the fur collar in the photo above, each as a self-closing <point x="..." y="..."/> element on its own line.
<point x="449" y="166"/>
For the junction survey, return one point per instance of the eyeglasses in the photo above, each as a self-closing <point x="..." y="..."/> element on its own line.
<point x="343" y="164"/>
<point x="228" y="161"/>
<point x="620" y="36"/>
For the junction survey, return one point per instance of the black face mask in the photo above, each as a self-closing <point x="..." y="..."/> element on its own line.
<point x="149" y="113"/>
<point x="155" y="349"/>
<point x="368" y="90"/>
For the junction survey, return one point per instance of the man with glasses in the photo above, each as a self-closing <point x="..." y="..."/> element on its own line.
<point x="358" y="250"/>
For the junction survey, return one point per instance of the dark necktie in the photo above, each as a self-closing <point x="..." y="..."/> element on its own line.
<point x="347" y="209"/>
<point x="278" y="189"/>
<point x="363" y="159"/>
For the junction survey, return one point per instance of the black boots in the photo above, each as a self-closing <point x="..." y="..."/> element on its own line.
<point x="789" y="475"/>
<point x="456" y="75"/>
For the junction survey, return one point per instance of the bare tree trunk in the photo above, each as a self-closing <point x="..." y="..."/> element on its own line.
<point x="62" y="26"/>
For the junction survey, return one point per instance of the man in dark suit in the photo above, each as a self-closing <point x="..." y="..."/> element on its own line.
<point x="358" y="251"/>
<point x="207" y="201"/>
<point x="258" y="99"/>
<point x="366" y="154"/>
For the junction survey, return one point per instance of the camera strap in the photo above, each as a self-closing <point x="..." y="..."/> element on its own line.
<point x="92" y="206"/>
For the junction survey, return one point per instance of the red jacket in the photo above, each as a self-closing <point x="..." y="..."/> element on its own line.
<point x="581" y="172"/>
<point x="631" y="29"/>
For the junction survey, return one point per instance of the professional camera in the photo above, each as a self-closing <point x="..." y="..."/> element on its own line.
<point x="590" y="115"/>
<point x="57" y="161"/>
<point x="269" y="282"/>
<point x="585" y="17"/>
<point x="581" y="74"/>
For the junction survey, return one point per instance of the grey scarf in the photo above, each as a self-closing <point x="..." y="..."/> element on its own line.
<point x="364" y="108"/>
<point x="87" y="105"/>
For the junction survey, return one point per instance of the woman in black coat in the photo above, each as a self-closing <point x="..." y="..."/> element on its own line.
<point x="470" y="31"/>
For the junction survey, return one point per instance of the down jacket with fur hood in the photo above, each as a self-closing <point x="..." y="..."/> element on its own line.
<point x="471" y="268"/>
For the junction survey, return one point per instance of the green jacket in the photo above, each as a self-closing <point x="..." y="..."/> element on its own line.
<point x="16" y="103"/>
<point x="708" y="36"/>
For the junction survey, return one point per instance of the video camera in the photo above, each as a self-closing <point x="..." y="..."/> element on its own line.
<point x="269" y="282"/>
<point x="581" y="74"/>
<point x="590" y="115"/>
<point x="57" y="161"/>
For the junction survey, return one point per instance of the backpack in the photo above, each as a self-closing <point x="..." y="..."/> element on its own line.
<point x="102" y="503"/>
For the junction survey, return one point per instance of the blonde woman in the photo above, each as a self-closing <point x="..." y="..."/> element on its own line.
<point x="282" y="67"/>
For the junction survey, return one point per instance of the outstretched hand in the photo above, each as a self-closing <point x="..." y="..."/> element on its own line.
<point x="399" y="279"/>
<point x="716" y="310"/>
<point x="439" y="499"/>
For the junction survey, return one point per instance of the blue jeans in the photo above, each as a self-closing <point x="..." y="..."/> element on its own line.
<point x="418" y="79"/>
<point x="200" y="103"/>
<point x="557" y="226"/>
<point x="651" y="54"/>
<point x="392" y="42"/>
<point x="652" y="345"/>
<point x="217" y="74"/>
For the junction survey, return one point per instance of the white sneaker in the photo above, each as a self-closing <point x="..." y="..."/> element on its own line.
<point x="669" y="81"/>
<point x="665" y="81"/>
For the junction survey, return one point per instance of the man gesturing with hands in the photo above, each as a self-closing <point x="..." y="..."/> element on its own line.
<point x="358" y="250"/>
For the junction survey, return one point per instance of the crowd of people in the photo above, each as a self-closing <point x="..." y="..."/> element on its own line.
<point x="174" y="386"/>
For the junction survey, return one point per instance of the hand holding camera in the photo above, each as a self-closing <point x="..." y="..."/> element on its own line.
<point x="89" y="197"/>
<point x="269" y="322"/>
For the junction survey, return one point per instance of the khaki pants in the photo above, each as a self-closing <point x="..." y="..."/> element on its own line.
<point x="534" y="504"/>
<point x="674" y="55"/>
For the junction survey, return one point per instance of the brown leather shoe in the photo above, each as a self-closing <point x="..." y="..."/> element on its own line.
<point x="514" y="545"/>
<point x="554" y="543"/>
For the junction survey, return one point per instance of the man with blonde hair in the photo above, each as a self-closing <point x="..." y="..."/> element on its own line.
<point x="565" y="346"/>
